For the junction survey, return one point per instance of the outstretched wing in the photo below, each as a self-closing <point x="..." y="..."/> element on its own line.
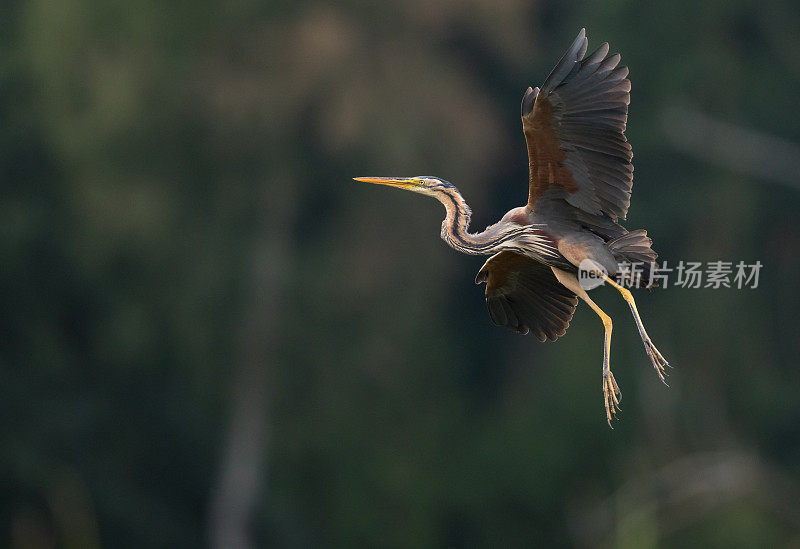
<point x="526" y="296"/>
<point x="575" y="131"/>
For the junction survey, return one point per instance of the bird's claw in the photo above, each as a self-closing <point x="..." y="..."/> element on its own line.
<point x="612" y="396"/>
<point x="659" y="362"/>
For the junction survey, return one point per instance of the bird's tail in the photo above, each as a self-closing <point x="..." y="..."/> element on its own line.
<point x="634" y="250"/>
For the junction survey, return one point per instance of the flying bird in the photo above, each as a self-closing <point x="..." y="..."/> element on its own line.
<point x="569" y="232"/>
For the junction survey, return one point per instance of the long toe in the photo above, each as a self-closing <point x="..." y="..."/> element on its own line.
<point x="659" y="362"/>
<point x="611" y="396"/>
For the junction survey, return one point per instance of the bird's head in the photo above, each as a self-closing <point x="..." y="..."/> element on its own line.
<point x="421" y="184"/>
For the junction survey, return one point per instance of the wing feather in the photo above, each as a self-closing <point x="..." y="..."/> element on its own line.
<point x="526" y="296"/>
<point x="575" y="132"/>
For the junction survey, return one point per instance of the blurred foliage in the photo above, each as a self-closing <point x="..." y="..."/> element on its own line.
<point x="171" y="169"/>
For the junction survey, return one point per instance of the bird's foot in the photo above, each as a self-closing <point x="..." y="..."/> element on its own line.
<point x="612" y="396"/>
<point x="659" y="362"/>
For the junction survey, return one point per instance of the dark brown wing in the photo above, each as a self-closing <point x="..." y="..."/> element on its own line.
<point x="525" y="296"/>
<point x="575" y="131"/>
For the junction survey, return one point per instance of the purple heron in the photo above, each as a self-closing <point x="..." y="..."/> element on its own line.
<point x="580" y="182"/>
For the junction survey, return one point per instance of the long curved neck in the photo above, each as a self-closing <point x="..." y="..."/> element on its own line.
<point x="455" y="227"/>
<point x="501" y="236"/>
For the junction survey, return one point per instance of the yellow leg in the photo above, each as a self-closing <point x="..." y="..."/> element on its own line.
<point x="611" y="392"/>
<point x="659" y="362"/>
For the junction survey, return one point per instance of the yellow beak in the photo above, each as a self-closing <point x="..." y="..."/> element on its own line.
<point x="400" y="182"/>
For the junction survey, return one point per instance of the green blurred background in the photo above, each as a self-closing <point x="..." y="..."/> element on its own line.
<point x="211" y="336"/>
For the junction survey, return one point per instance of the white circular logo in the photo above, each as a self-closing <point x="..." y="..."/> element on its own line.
<point x="590" y="274"/>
